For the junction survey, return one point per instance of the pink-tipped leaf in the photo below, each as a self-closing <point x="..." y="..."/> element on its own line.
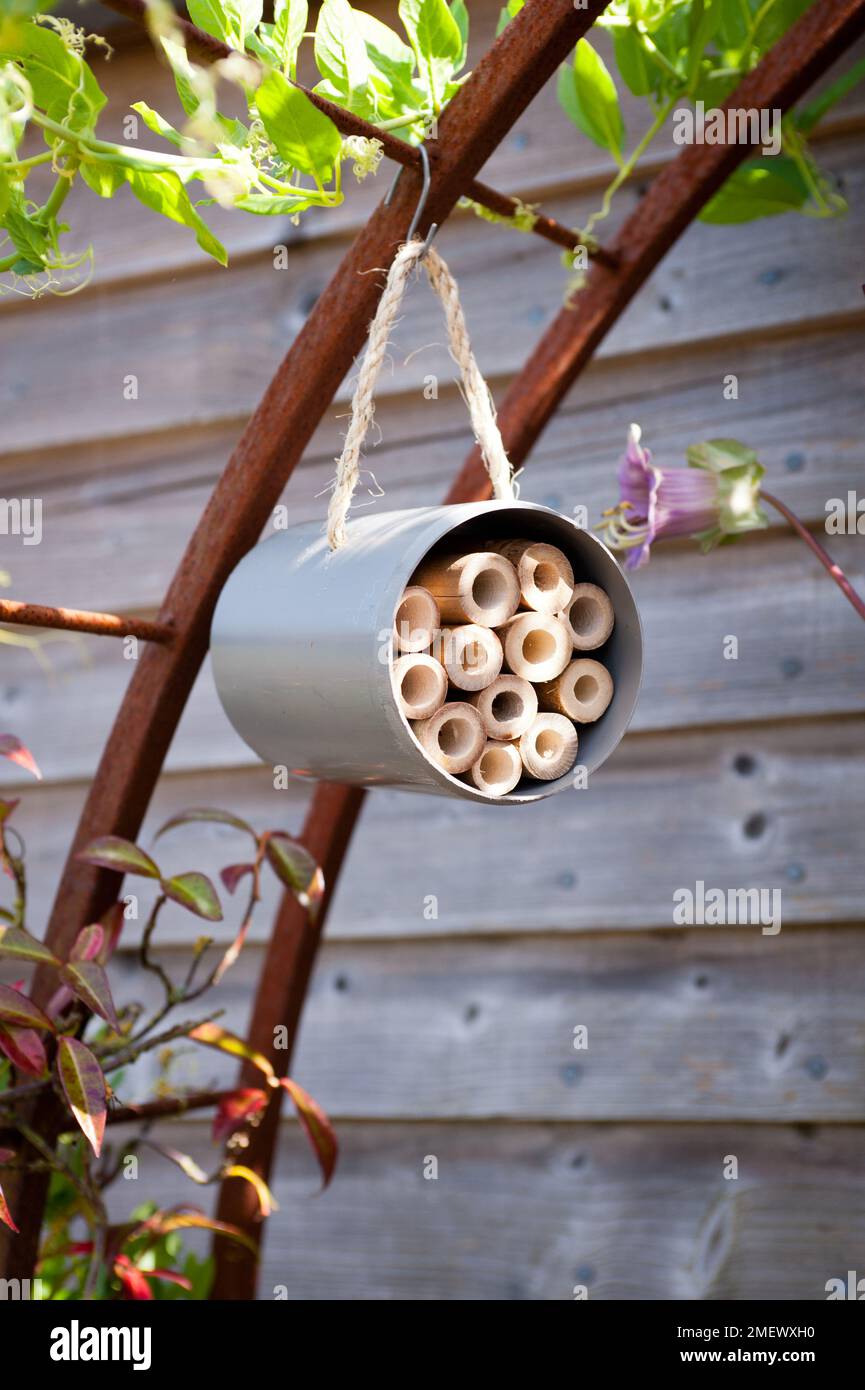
<point x="13" y="749"/>
<point x="84" y="1088"/>
<point x="318" y="1127"/>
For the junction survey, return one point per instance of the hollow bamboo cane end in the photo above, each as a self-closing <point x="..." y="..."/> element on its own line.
<point x="498" y="769"/>
<point x="589" y="617"/>
<point x="549" y="748"/>
<point x="453" y="737"/>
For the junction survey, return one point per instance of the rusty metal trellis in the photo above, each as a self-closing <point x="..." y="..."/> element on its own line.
<point x="507" y="79"/>
<point x="522" y="59"/>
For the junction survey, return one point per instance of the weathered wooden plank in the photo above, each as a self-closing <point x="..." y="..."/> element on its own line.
<point x="532" y="1211"/>
<point x="777" y="807"/>
<point x="687" y="1025"/>
<point x="539" y="156"/>
<point x="807" y="660"/>
<point x="199" y="356"/>
<point x="798" y="405"/>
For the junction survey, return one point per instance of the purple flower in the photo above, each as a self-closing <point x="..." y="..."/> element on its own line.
<point x="714" y="497"/>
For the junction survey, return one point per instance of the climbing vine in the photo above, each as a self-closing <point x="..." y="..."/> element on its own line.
<point x="286" y="155"/>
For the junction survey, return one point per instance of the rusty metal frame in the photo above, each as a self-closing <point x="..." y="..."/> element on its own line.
<point x="520" y="62"/>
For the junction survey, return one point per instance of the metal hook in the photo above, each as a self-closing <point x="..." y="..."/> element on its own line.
<point x="424" y="194"/>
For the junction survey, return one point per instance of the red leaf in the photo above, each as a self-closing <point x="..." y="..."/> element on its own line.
<point x="84" y="1087"/>
<point x="25" y="1050"/>
<point x="88" y="943"/>
<point x="89" y="983"/>
<point x="5" y="1214"/>
<point x="13" y="749"/>
<point x="7" y="807"/>
<point x="234" y="1111"/>
<point x="15" y="941"/>
<point x="232" y="874"/>
<point x="204" y="813"/>
<point x="162" y="1223"/>
<point x="295" y="867"/>
<point x="133" y="1281"/>
<point x="266" y="1201"/>
<point x="170" y="1277"/>
<point x="112" y="921"/>
<point x="16" y="1008"/>
<point x="233" y="951"/>
<point x="113" y="852"/>
<point x="211" y="1035"/>
<point x="195" y="892"/>
<point x="318" y="1128"/>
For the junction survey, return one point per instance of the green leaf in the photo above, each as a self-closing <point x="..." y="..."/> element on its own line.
<point x="274" y="205"/>
<point x="437" y="42"/>
<point x="588" y="96"/>
<point x="392" y="61"/>
<point x="702" y="23"/>
<point x="113" y="852"/>
<point x="304" y="137"/>
<point x="809" y="115"/>
<point x="20" y="945"/>
<point x="103" y="178"/>
<point x="209" y="16"/>
<point x="5" y="195"/>
<point x="33" y="245"/>
<point x="17" y="1009"/>
<point x="718" y="455"/>
<point x="164" y="193"/>
<point x="195" y="892"/>
<point x="341" y="55"/>
<point x="157" y="123"/>
<point x="63" y="85"/>
<point x="84" y="1088"/>
<point x="244" y="16"/>
<point x="183" y="74"/>
<point x="632" y="60"/>
<point x="291" y="18"/>
<point x="758" y="188"/>
<point x="461" y="15"/>
<point x="507" y="13"/>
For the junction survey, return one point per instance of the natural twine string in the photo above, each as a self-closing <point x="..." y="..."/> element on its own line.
<point x="475" y="389"/>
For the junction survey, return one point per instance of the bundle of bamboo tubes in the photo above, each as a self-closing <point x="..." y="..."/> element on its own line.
<point x="490" y="665"/>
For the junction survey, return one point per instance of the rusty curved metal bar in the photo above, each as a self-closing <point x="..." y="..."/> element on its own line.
<point x="673" y="200"/>
<point x="521" y="60"/>
<point x="208" y="49"/>
<point x="78" y="620"/>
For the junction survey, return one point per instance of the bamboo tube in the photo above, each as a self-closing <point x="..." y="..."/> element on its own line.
<point x="544" y="572"/>
<point x="476" y="588"/>
<point x="537" y="646"/>
<point x="582" y="691"/>
<point x="549" y="748"/>
<point x="589" y="617"/>
<point x="507" y="707"/>
<point x="471" y="655"/>
<point x="416" y="621"/>
<point x="453" y="737"/>
<point x="420" y="685"/>
<point x="498" y="769"/>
